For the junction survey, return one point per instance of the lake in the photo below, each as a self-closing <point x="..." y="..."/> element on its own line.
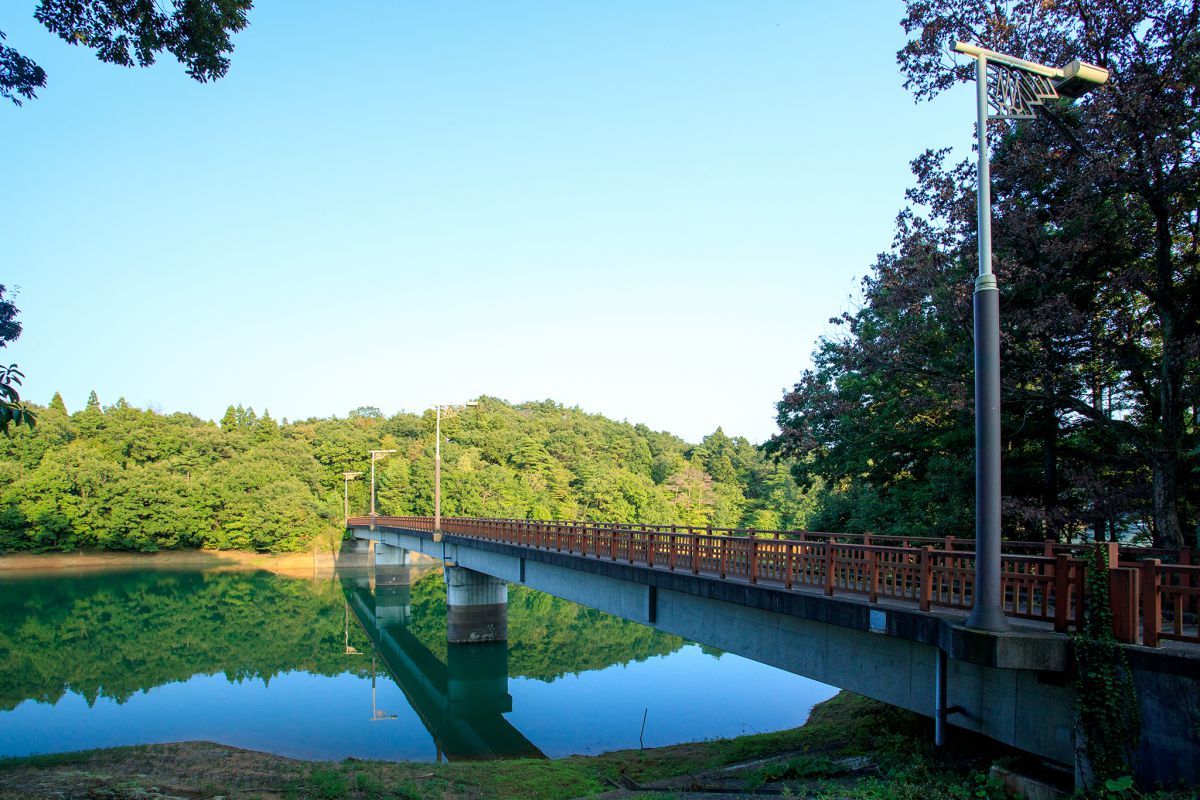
<point x="347" y="665"/>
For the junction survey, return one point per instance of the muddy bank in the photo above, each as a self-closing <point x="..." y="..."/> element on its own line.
<point x="32" y="563"/>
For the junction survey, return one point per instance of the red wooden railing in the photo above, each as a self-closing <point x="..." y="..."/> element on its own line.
<point x="1152" y="601"/>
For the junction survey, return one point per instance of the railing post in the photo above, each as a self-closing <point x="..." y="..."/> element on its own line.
<point x="872" y="575"/>
<point x="926" y="587"/>
<point x="1151" y="602"/>
<point x="1062" y="594"/>
<point x="829" y="567"/>
<point x="754" y="560"/>
<point x="787" y="575"/>
<point x="724" y="554"/>
<point x="1191" y="601"/>
<point x="695" y="553"/>
<point x="649" y="549"/>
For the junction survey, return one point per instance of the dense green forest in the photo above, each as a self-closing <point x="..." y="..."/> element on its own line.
<point x="114" y="634"/>
<point x="120" y="477"/>
<point x="1096" y="239"/>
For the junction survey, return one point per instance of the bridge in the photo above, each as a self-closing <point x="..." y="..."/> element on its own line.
<point x="880" y="616"/>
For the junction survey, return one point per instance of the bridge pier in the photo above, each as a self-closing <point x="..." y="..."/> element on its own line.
<point x="476" y="607"/>
<point x="389" y="555"/>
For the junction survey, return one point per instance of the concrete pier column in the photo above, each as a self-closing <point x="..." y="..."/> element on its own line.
<point x="388" y="555"/>
<point x="476" y="607"/>
<point x="354" y="552"/>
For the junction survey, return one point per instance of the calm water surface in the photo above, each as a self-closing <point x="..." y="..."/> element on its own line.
<point x="348" y="666"/>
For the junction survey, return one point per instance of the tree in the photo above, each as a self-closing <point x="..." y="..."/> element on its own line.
<point x="1135" y="184"/>
<point x="198" y="34"/>
<point x="57" y="404"/>
<point x="1095" y="243"/>
<point x="12" y="410"/>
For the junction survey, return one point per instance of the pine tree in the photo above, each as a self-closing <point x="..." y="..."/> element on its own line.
<point x="57" y="404"/>
<point x="266" y="428"/>
<point x="229" y="421"/>
<point x="93" y="402"/>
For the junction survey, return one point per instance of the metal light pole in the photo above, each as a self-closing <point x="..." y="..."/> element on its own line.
<point x="375" y="455"/>
<point x="437" y="468"/>
<point x="347" y="476"/>
<point x="1020" y="88"/>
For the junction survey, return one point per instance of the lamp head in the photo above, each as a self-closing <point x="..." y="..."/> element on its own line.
<point x="1079" y="78"/>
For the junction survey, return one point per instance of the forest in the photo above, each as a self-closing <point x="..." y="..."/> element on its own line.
<point x="124" y="478"/>
<point x="1096" y="237"/>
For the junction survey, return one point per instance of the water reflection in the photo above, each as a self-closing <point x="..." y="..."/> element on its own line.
<point x="353" y="665"/>
<point x="460" y="701"/>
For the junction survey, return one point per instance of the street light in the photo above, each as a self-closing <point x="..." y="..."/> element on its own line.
<point x="348" y="476"/>
<point x="1020" y="88"/>
<point x="437" y="469"/>
<point x="375" y="454"/>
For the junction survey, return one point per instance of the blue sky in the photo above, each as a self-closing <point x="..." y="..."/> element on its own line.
<point x="649" y="210"/>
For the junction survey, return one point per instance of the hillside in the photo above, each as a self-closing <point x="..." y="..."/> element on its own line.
<point x="120" y="477"/>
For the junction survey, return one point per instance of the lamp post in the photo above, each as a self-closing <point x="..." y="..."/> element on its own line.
<point x="347" y="476"/>
<point x="437" y="469"/>
<point x="1020" y="88"/>
<point x="377" y="714"/>
<point x="375" y="455"/>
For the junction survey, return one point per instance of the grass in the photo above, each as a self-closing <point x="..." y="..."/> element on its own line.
<point x="809" y="761"/>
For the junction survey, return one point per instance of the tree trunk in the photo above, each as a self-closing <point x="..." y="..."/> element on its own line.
<point x="1167" y="530"/>
<point x="1165" y="460"/>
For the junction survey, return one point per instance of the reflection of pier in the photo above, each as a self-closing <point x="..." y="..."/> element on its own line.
<point x="460" y="702"/>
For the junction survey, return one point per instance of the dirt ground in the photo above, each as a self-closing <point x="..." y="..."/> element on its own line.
<point x="183" y="770"/>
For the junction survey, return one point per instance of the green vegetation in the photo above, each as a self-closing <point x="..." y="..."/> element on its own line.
<point x="119" y="477"/>
<point x="1106" y="702"/>
<point x="12" y="410"/>
<point x="1095" y="243"/>
<point x="197" y="34"/>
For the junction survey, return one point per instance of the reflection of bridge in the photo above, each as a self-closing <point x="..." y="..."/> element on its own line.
<point x="461" y="702"/>
<point x="880" y="617"/>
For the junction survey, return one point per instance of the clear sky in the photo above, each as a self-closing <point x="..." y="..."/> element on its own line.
<point x="649" y="210"/>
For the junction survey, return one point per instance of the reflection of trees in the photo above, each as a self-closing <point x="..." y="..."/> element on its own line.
<point x="114" y="634"/>
<point x="547" y="637"/>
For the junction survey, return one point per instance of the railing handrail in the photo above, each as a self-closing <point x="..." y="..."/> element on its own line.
<point x="1151" y="600"/>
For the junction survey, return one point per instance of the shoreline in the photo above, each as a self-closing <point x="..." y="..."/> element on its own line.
<point x="33" y="563"/>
